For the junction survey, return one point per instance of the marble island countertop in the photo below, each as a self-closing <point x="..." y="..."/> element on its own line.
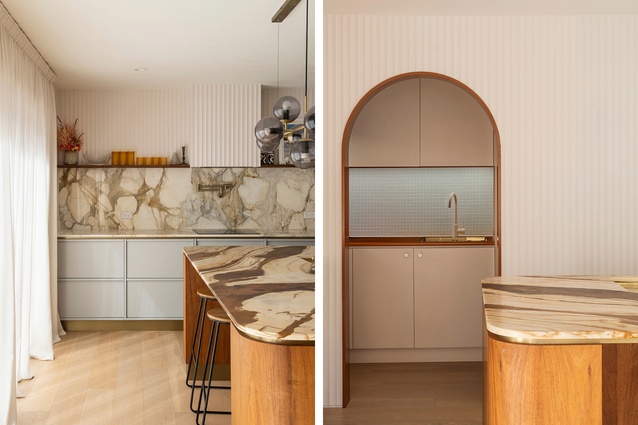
<point x="267" y="291"/>
<point x="562" y="309"/>
<point x="181" y="233"/>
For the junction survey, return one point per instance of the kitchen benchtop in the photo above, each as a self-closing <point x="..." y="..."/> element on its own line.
<point x="181" y="233"/>
<point x="418" y="241"/>
<point x="268" y="291"/>
<point x="562" y="309"/>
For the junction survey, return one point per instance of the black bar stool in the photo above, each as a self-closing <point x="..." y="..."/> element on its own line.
<point x="204" y="297"/>
<point x="218" y="317"/>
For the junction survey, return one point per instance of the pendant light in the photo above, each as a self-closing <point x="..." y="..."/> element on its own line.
<point x="271" y="130"/>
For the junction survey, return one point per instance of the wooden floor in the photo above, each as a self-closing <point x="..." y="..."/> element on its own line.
<point x="117" y="377"/>
<point x="411" y="394"/>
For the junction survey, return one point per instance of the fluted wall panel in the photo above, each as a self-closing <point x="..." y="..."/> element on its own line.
<point x="563" y="91"/>
<point x="149" y="122"/>
<point x="225" y="117"/>
<point x="270" y="95"/>
<point x="214" y="122"/>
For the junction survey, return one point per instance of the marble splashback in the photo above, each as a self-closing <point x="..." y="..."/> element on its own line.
<point x="168" y="198"/>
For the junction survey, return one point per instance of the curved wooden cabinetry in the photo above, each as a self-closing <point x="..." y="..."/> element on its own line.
<point x="272" y="384"/>
<point x="268" y="294"/>
<point x="560" y="351"/>
<point x="543" y="384"/>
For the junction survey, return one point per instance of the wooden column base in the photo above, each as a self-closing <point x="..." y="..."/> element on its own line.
<point x="560" y="384"/>
<point x="543" y="384"/>
<point x="271" y="384"/>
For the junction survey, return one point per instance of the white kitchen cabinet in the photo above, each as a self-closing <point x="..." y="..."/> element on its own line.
<point x="91" y="258"/>
<point x="448" y="303"/>
<point x="426" y="297"/>
<point x="382" y="298"/>
<point x="422" y="122"/>
<point x="155" y="258"/>
<point x="91" y="299"/>
<point x="154" y="278"/>
<point x="91" y="279"/>
<point x="154" y="299"/>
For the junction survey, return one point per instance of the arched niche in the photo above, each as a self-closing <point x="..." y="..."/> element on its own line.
<point x="418" y="119"/>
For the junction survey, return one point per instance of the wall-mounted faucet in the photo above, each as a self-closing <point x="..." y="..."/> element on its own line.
<point x="221" y="189"/>
<point x="456" y="230"/>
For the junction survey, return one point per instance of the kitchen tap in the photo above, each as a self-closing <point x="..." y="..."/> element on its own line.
<point x="456" y="230"/>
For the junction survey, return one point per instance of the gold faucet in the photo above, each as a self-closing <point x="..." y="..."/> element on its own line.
<point x="456" y="230"/>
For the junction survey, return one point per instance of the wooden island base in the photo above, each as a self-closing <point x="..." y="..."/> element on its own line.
<point x="272" y="384"/>
<point x="560" y="384"/>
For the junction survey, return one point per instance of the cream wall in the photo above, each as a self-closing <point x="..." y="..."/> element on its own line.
<point x="564" y="93"/>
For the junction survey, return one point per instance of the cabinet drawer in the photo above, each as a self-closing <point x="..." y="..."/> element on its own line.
<point x="155" y="258"/>
<point x="79" y="299"/>
<point x="84" y="259"/>
<point x="154" y="299"/>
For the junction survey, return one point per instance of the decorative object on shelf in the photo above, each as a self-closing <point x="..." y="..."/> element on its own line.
<point x="69" y="142"/>
<point x="270" y="131"/>
<point x="71" y="157"/>
<point x="96" y="159"/>
<point x="183" y="154"/>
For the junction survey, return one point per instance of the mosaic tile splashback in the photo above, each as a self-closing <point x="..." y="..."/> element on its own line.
<point x="414" y="201"/>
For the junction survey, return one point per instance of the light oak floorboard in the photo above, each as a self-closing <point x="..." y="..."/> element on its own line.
<point x="411" y="394"/>
<point x="111" y="377"/>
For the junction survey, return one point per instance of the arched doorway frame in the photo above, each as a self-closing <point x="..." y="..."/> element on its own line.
<point x="345" y="145"/>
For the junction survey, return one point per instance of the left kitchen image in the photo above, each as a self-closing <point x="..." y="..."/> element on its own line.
<point x="179" y="231"/>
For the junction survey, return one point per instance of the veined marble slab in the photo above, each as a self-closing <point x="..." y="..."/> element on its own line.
<point x="268" y="291"/>
<point x="561" y="309"/>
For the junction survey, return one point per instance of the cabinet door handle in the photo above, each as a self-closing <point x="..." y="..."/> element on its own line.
<point x="406" y="255"/>
<point x="420" y="255"/>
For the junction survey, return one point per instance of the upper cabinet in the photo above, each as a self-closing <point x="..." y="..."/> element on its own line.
<point x="386" y="132"/>
<point x="455" y="130"/>
<point x="422" y="122"/>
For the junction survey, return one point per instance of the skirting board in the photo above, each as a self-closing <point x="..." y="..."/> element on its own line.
<point x="122" y="325"/>
<point x="416" y="355"/>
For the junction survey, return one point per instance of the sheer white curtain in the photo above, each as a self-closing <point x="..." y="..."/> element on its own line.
<point x="29" y="323"/>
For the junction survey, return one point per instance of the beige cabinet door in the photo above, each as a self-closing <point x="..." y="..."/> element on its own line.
<point x="447" y="295"/>
<point x="386" y="132"/>
<point x="382" y="298"/>
<point x="455" y="130"/>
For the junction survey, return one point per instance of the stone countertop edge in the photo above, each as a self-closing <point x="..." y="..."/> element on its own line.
<point x="553" y="310"/>
<point x="266" y="290"/>
<point x="183" y="233"/>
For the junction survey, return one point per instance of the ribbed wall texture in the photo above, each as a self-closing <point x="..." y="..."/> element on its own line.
<point x="149" y="122"/>
<point x="270" y="95"/>
<point x="564" y="93"/>
<point x="225" y="117"/>
<point x="215" y="122"/>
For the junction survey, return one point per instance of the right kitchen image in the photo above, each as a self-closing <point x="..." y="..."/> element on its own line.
<point x="479" y="213"/>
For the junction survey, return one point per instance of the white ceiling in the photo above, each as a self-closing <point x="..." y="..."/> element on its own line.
<point x="100" y="43"/>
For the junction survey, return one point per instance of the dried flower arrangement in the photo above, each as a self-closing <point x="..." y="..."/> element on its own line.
<point x="68" y="139"/>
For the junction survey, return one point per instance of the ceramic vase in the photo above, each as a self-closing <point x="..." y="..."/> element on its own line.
<point x="71" y="157"/>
